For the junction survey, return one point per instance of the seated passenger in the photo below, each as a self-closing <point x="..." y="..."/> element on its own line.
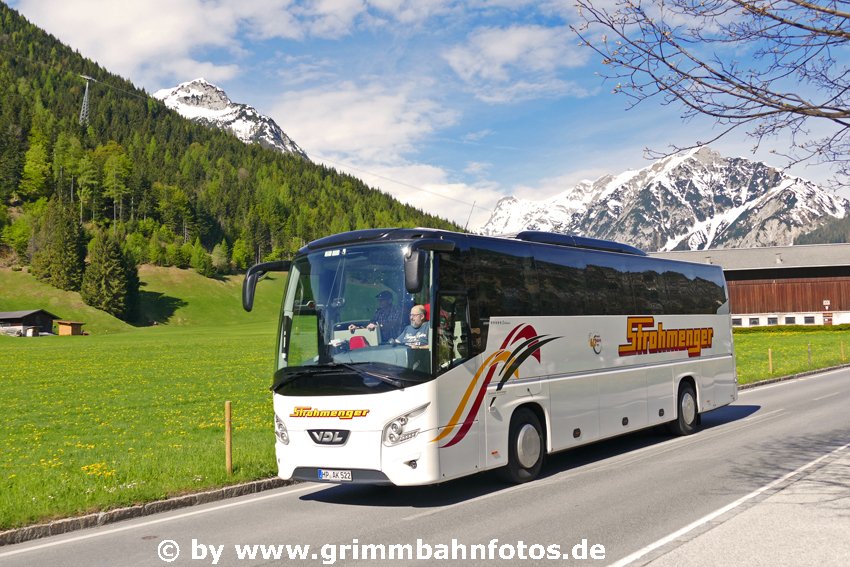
<point x="415" y="335"/>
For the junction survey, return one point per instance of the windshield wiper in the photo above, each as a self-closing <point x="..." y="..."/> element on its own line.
<point x="289" y="374"/>
<point x="370" y="374"/>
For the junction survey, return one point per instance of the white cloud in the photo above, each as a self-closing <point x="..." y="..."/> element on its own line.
<point x="429" y="188"/>
<point x="477" y="167"/>
<point x="478" y="136"/>
<point x="373" y="123"/>
<point x="159" y="42"/>
<point x="140" y="40"/>
<point x="297" y="70"/>
<point x="330" y="18"/>
<point x="517" y="62"/>
<point x="371" y="131"/>
<point x="412" y="11"/>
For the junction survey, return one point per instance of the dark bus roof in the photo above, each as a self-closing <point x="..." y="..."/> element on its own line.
<point x="464" y="240"/>
<point x="628" y="257"/>
<point x="402" y="234"/>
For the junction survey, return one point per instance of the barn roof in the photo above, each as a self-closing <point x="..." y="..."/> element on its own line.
<point x="22" y="314"/>
<point x="767" y="258"/>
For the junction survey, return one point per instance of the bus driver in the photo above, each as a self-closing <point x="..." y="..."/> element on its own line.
<point x="387" y="317"/>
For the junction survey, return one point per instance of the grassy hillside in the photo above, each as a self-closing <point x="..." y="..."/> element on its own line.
<point x="168" y="296"/>
<point x="173" y="296"/>
<point x="20" y="291"/>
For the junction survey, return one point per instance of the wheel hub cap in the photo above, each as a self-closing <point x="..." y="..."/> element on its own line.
<point x="689" y="408"/>
<point x="528" y="446"/>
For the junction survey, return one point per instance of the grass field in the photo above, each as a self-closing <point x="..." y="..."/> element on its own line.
<point x="789" y="350"/>
<point x="134" y="413"/>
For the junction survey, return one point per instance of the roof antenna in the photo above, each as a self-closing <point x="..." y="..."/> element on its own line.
<point x="469" y="217"/>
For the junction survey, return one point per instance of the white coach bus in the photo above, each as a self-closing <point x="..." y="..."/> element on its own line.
<point x="531" y="344"/>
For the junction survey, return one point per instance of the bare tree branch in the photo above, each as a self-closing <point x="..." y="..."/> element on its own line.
<point x="770" y="66"/>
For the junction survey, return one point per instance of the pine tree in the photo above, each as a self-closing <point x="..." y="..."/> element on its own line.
<point x="88" y="185"/>
<point x="220" y="259"/>
<point x="36" y="172"/>
<point x="156" y="254"/>
<point x="111" y="281"/>
<point x="11" y="158"/>
<point x="201" y="260"/>
<point x="241" y="255"/>
<point x="61" y="257"/>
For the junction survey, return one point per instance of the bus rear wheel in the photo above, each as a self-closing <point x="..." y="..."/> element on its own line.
<point x="525" y="447"/>
<point x="688" y="416"/>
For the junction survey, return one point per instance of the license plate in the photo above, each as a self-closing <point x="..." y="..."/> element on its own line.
<point x="335" y="475"/>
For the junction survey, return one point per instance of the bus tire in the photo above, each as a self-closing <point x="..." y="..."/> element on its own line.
<point x="525" y="447"/>
<point x="687" y="415"/>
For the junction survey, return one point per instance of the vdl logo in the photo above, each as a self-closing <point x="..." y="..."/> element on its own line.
<point x="329" y="436"/>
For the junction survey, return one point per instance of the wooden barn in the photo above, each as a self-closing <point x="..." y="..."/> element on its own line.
<point x="19" y="322"/>
<point x="783" y="285"/>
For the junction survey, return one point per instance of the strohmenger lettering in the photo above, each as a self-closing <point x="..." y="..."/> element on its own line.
<point x="642" y="338"/>
<point x="307" y="411"/>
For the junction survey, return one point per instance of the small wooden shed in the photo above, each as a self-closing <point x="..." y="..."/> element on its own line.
<point x="70" y="327"/>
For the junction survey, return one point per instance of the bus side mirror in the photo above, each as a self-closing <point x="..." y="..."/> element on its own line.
<point x="414" y="265"/>
<point x="255" y="273"/>
<point x="414" y="260"/>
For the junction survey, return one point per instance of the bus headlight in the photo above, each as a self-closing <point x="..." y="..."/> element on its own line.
<point x="399" y="430"/>
<point x="280" y="430"/>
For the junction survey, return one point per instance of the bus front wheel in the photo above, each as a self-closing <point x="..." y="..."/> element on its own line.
<point x="525" y="447"/>
<point x="688" y="416"/>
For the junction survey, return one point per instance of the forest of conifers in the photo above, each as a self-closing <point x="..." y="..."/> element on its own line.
<point x="162" y="183"/>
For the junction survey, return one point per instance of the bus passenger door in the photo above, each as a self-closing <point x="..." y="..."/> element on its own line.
<point x="460" y="435"/>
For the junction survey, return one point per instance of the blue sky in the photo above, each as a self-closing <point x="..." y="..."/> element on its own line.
<point x="441" y="103"/>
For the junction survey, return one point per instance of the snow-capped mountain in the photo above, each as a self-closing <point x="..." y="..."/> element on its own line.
<point x="691" y="201"/>
<point x="203" y="102"/>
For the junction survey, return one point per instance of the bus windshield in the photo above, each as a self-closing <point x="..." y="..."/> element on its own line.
<point x="348" y="324"/>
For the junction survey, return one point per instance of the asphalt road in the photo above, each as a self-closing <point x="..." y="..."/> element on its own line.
<point x="624" y="495"/>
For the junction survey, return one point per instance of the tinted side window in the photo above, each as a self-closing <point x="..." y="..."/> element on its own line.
<point x="562" y="286"/>
<point x="505" y="282"/>
<point x="609" y="290"/>
<point x="452" y="270"/>
<point x="691" y="294"/>
<point x="649" y="292"/>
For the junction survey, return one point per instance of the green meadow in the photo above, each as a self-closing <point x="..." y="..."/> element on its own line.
<point x="135" y="412"/>
<point x="130" y="413"/>
<point x="773" y="352"/>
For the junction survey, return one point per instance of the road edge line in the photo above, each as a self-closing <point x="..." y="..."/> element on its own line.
<point x="719" y="512"/>
<point x="65" y="525"/>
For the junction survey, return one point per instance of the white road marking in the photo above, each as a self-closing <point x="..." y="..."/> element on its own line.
<point x="826" y="396"/>
<point x="790" y="381"/>
<point x="159" y="520"/>
<point x="717" y="513"/>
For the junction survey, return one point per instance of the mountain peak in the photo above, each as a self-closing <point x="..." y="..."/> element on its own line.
<point x="697" y="199"/>
<point x="203" y="102"/>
